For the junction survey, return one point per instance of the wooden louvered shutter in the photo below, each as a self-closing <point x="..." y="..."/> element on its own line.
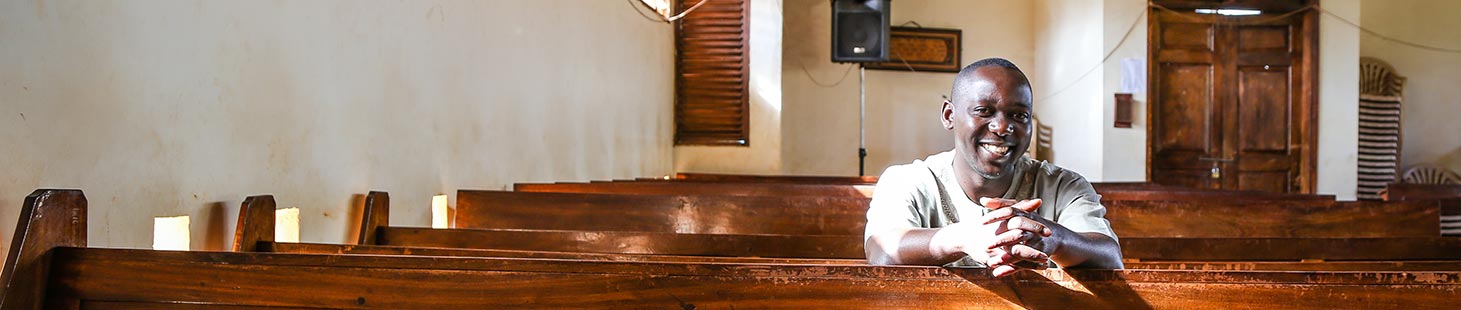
<point x="712" y="60"/>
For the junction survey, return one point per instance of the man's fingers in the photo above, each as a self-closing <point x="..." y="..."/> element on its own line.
<point x="998" y="215"/>
<point x="1028" y="205"/>
<point x="1027" y="224"/>
<point x="995" y="203"/>
<point x="1025" y="252"/>
<point x="1003" y="270"/>
<point x="1013" y="237"/>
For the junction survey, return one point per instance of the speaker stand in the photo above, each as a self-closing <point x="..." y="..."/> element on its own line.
<point x="861" y="119"/>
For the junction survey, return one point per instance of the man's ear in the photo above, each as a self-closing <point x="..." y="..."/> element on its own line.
<point x="947" y="115"/>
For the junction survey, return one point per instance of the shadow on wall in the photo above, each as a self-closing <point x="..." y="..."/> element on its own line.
<point x="215" y="228"/>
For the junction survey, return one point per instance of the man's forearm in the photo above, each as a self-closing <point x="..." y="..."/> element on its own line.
<point x="1087" y="250"/>
<point x="915" y="246"/>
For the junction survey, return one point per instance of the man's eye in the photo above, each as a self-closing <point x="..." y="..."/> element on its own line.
<point x="1022" y="117"/>
<point x="980" y="111"/>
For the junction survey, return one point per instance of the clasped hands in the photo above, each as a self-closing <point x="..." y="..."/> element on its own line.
<point x="1010" y="238"/>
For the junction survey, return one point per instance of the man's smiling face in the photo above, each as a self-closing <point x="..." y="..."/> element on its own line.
<point x="990" y="115"/>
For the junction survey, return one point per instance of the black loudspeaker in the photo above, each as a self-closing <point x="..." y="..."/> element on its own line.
<point x="859" y="30"/>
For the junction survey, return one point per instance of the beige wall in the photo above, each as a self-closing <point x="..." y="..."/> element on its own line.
<point x="820" y="124"/>
<point x="1338" y="100"/>
<point x="1068" y="95"/>
<point x="160" y="108"/>
<point x="1124" y="153"/>
<point x="763" y="155"/>
<point x="1432" y="98"/>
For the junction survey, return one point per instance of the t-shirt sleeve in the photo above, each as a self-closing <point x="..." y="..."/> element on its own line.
<point x="895" y="201"/>
<point x="1083" y="212"/>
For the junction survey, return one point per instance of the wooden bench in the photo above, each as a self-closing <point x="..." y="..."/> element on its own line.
<point x="828" y="215"/>
<point x="1448" y="196"/>
<point x="799" y="179"/>
<point x="801" y="215"/>
<point x="1267" y="219"/>
<point x="701" y="188"/>
<point x="1210" y="253"/>
<point x="96" y="278"/>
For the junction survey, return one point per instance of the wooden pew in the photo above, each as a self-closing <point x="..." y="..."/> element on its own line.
<point x="377" y="237"/>
<point x="797" y="179"/>
<point x="800" y="215"/>
<point x="1266" y="219"/>
<point x="97" y="278"/>
<point x="701" y="188"/>
<point x="1448" y="196"/>
<point x="823" y="215"/>
<point x="1148" y="253"/>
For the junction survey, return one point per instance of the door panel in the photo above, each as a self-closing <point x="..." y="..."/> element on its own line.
<point x="1263" y="109"/>
<point x="1188" y="90"/>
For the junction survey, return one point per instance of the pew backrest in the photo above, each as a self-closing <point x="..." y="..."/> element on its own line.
<point x="801" y="215"/>
<point x="699" y="188"/>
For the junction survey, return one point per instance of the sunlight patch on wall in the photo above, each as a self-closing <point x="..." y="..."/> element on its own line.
<point x="439" y="216"/>
<point x="171" y="233"/>
<point x="286" y="225"/>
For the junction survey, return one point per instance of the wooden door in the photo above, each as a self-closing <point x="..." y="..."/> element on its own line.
<point x="1232" y="100"/>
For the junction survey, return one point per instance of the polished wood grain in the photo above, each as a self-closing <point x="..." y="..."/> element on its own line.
<point x="1313" y="265"/>
<point x="748" y="178"/>
<point x="1186" y="214"/>
<point x="1301" y="265"/>
<point x="319" y="248"/>
<point x="1291" y="249"/>
<point x="363" y="281"/>
<point x="701" y="188"/>
<point x="1220" y="217"/>
<point x="1183" y="194"/>
<point x="1407" y="191"/>
<point x="801" y="215"/>
<point x="629" y="242"/>
<point x="49" y="218"/>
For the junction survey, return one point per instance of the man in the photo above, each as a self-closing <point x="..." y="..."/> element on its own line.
<point x="1027" y="214"/>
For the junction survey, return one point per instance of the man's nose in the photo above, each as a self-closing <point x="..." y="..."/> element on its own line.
<point x="1000" y="126"/>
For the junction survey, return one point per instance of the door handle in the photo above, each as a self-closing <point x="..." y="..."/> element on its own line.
<point x="1217" y="159"/>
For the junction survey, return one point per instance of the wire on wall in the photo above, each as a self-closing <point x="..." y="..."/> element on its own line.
<point x="661" y="18"/>
<point x="814" y="79"/>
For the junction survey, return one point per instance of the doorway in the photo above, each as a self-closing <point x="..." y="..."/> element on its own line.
<point x="1233" y="102"/>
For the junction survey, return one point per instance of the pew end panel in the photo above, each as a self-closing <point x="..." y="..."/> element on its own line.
<point x="255" y="223"/>
<point x="377" y="214"/>
<point x="49" y="219"/>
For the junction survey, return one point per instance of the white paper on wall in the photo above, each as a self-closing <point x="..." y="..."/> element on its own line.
<point x="1133" y="75"/>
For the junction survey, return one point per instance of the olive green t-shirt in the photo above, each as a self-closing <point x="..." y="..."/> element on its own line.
<point x="907" y="196"/>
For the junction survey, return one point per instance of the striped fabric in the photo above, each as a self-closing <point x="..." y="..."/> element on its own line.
<point x="1451" y="225"/>
<point x="1379" y="144"/>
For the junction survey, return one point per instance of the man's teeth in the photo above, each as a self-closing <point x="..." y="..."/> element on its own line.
<point x="997" y="149"/>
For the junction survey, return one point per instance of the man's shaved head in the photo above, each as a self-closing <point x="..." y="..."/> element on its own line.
<point x="966" y="75"/>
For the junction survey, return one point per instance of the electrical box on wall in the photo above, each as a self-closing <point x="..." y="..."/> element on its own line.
<point x="1123" y="111"/>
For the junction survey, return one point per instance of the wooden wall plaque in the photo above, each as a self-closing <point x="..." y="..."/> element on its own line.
<point x="922" y="49"/>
